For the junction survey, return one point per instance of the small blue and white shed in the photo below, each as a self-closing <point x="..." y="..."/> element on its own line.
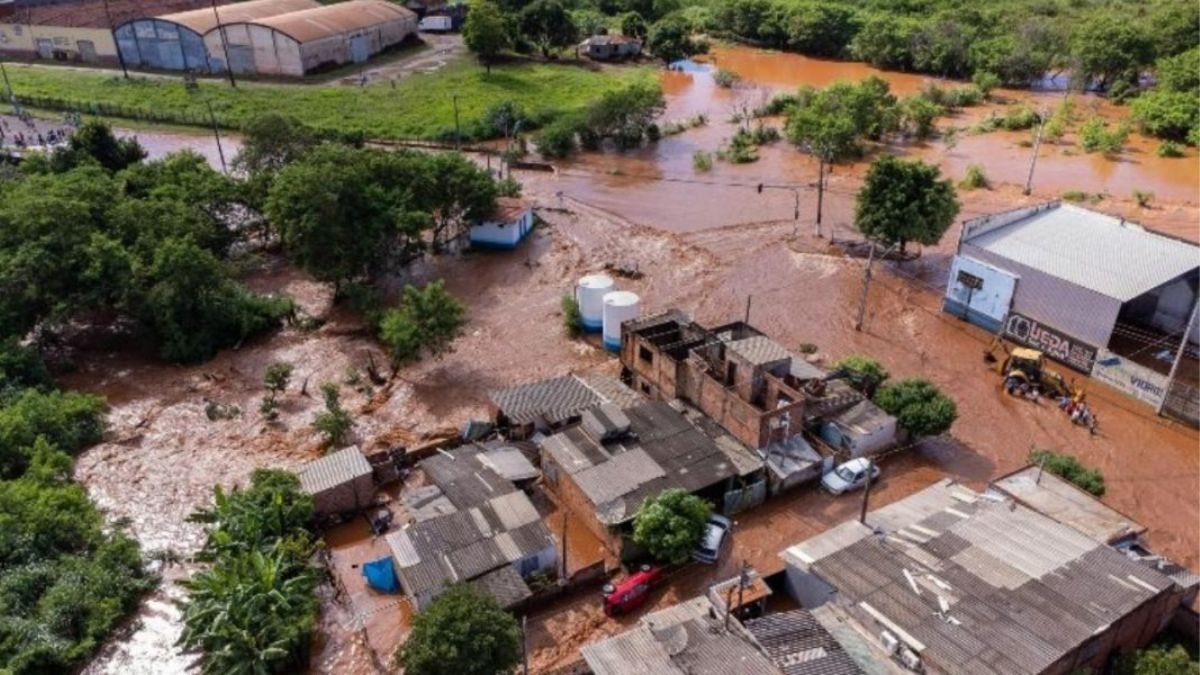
<point x="508" y="225"/>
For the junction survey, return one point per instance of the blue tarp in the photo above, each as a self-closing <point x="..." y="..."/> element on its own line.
<point x="381" y="575"/>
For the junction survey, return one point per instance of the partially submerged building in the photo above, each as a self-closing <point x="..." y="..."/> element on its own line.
<point x="952" y="581"/>
<point x="339" y="482"/>
<point x="1101" y="295"/>
<point x="764" y="395"/>
<point x="547" y="405"/>
<point x="509" y="224"/>
<point x="470" y="525"/>
<point x="610" y="47"/>
<point x="604" y="468"/>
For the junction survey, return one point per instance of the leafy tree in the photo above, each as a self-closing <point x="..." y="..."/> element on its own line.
<point x="68" y="421"/>
<point x="459" y="192"/>
<point x="830" y="123"/>
<point x="194" y="308"/>
<point x="918" y="115"/>
<point x="1170" y="115"/>
<point x="485" y="32"/>
<point x="670" y="525"/>
<point x="624" y="115"/>
<point x="557" y="139"/>
<point x="1016" y="59"/>
<point x="1180" y="72"/>
<point x="254" y="608"/>
<point x="885" y="41"/>
<point x="271" y="141"/>
<point x="863" y="372"/>
<point x="548" y="25"/>
<point x="94" y="141"/>
<point x="903" y="201"/>
<point x="633" y="25"/>
<point x="462" y="633"/>
<point x="334" y="422"/>
<point x="821" y="29"/>
<point x="21" y="367"/>
<point x="918" y="406"/>
<point x="428" y="320"/>
<point x="1158" y="660"/>
<point x="670" y="39"/>
<point x="572" y="316"/>
<point x="1109" y="47"/>
<point x="275" y="380"/>
<point x="1174" y="27"/>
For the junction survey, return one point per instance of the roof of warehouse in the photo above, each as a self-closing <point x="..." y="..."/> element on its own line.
<point x="333" y="470"/>
<point x="976" y="584"/>
<point x="336" y="19"/>
<point x="1061" y="500"/>
<point x="204" y="20"/>
<point x="1099" y="252"/>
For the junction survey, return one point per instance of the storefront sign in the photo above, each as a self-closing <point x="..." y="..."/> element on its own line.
<point x="1131" y="378"/>
<point x="1056" y="345"/>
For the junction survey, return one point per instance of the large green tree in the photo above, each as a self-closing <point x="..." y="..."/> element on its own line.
<point x="831" y="123"/>
<point x="1108" y="47"/>
<point x="427" y="321"/>
<point x="462" y="633"/>
<point x="548" y="25"/>
<point x="918" y="406"/>
<point x="670" y="39"/>
<point x="905" y="200"/>
<point x="485" y="32"/>
<point x="670" y="525"/>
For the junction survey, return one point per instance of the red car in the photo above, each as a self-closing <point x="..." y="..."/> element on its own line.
<point x="630" y="593"/>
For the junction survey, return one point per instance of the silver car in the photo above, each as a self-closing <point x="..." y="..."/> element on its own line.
<point x="709" y="548"/>
<point x="849" y="476"/>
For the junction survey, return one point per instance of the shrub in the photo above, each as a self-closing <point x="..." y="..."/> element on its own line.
<point x="975" y="178"/>
<point x="702" y="161"/>
<point x="1096" y="136"/>
<point x="863" y="372"/>
<point x="1074" y="195"/>
<point x="985" y="82"/>
<point x="918" y="406"/>
<point x="1069" y="468"/>
<point x="726" y="79"/>
<point x="427" y="321"/>
<point x="1143" y="198"/>
<point x="334" y="422"/>
<point x="1169" y="149"/>
<point x="670" y="525"/>
<point x="558" y="138"/>
<point x="808" y="348"/>
<point x="572" y="317"/>
<point x="1020" y="117"/>
<point x="463" y="632"/>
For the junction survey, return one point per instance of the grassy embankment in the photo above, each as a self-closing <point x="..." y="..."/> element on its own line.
<point x="419" y="106"/>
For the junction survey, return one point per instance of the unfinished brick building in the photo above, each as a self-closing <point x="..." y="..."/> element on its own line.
<point x="734" y="373"/>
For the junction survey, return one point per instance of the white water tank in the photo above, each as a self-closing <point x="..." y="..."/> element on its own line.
<point x="619" y="306"/>
<point x="589" y="293"/>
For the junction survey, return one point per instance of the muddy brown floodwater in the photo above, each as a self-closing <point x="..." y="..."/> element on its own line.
<point x="705" y="244"/>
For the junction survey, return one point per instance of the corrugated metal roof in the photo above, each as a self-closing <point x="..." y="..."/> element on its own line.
<point x="351" y="16"/>
<point x="505" y="585"/>
<point x="204" y="20"/>
<point x="1064" y="502"/>
<point x="514" y="510"/>
<point x="333" y="470"/>
<point x="978" y="584"/>
<point x="508" y="462"/>
<point x="1096" y="251"/>
<point x="558" y="399"/>
<point x="798" y="645"/>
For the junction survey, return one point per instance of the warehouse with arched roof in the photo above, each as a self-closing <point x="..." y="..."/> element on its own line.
<point x="303" y="41"/>
<point x="176" y="41"/>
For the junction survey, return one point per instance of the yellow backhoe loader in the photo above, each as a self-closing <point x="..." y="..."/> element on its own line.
<point x="1024" y="366"/>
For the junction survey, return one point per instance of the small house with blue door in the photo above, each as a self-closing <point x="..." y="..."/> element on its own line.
<point x="511" y="221"/>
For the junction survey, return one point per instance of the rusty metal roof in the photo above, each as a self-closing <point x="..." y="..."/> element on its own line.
<point x="559" y="399"/>
<point x="205" y="19"/>
<point x="799" y="645"/>
<point x="351" y="16"/>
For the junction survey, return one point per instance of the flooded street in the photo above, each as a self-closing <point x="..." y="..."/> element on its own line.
<point x="706" y="243"/>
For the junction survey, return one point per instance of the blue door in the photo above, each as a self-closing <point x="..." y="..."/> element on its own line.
<point x="359" y="51"/>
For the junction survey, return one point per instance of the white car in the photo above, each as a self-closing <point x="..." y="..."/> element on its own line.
<point x="709" y="548"/>
<point x="849" y="476"/>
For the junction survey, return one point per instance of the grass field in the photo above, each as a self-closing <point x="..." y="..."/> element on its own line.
<point x="419" y="106"/>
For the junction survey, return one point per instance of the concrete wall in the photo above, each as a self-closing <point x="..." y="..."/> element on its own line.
<point x="350" y="496"/>
<point x="989" y="304"/>
<point x="561" y="483"/>
<point x="83" y="45"/>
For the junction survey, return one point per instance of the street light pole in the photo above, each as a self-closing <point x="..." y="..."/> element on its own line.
<point x="116" y="43"/>
<point x="224" y="46"/>
<point x="862" y="301"/>
<point x="1037" y="144"/>
<point x="12" y="99"/>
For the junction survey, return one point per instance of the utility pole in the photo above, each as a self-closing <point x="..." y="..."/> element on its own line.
<point x="224" y="45"/>
<point x="117" y="44"/>
<point x="862" y="515"/>
<point x="1037" y="143"/>
<point x="862" y="301"/>
<point x="217" y="135"/>
<point x="748" y="299"/>
<point x="457" y="133"/>
<point x="12" y="99"/>
<point x="524" y="646"/>
<point x="820" y="192"/>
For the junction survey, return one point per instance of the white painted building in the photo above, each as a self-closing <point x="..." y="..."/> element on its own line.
<point x="509" y="224"/>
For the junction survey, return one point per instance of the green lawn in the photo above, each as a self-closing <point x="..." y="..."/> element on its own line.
<point x="419" y="106"/>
